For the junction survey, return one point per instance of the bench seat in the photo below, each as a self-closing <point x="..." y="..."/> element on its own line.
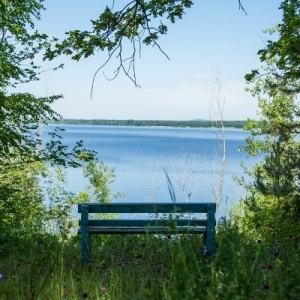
<point x="145" y="230"/>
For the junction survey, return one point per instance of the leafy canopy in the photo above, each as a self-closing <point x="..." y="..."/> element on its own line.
<point x="21" y="114"/>
<point x="19" y="41"/>
<point x="285" y="50"/>
<point x="121" y="26"/>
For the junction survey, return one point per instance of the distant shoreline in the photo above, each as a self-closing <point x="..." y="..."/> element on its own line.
<point x="153" y="123"/>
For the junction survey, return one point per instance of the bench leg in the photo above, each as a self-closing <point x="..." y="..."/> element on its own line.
<point x="210" y="243"/>
<point x="85" y="236"/>
<point x="210" y="240"/>
<point x="86" y="248"/>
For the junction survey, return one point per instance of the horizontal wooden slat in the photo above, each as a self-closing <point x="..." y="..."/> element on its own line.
<point x="145" y="230"/>
<point x="145" y="223"/>
<point x="200" y="207"/>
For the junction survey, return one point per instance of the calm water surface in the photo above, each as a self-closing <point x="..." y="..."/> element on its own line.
<point x="191" y="157"/>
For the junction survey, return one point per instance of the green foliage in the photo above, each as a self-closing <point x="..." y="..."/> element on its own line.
<point x="58" y="219"/>
<point x="169" y="123"/>
<point x="285" y="49"/>
<point x="100" y="177"/>
<point x="150" y="267"/>
<point x="272" y="207"/>
<point x="22" y="117"/>
<point x="258" y="250"/>
<point x="273" y="195"/>
<point x="35" y="201"/>
<point x="269" y="219"/>
<point x="19" y="42"/>
<point x="57" y="153"/>
<point x="22" y="163"/>
<point x="133" y="21"/>
<point x="21" y="114"/>
<point x="136" y="23"/>
<point x="120" y="26"/>
<point x="21" y="203"/>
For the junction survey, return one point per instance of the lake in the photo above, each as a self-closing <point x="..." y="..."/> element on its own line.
<point x="190" y="156"/>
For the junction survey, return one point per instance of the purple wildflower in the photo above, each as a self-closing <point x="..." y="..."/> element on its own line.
<point x="266" y="286"/>
<point x="85" y="294"/>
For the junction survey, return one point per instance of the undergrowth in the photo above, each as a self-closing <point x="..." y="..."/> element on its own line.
<point x="153" y="267"/>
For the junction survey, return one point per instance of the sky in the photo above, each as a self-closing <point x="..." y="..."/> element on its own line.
<point x="213" y="40"/>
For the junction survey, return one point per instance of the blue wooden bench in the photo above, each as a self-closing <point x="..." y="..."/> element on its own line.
<point x="166" y="218"/>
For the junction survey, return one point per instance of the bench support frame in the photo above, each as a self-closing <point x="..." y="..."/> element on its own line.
<point x="205" y="226"/>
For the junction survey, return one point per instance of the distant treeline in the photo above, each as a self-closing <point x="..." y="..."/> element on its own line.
<point x="153" y="123"/>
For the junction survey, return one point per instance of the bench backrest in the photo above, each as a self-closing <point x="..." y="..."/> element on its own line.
<point x="200" y="207"/>
<point x="207" y="208"/>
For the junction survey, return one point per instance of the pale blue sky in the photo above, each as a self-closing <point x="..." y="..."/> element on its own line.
<point x="214" y="37"/>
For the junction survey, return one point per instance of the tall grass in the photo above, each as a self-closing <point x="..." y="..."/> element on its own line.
<point x="153" y="267"/>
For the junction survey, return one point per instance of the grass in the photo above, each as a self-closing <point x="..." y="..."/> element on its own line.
<point x="151" y="267"/>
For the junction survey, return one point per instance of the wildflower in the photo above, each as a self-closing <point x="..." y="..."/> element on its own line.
<point x="85" y="294"/>
<point x="266" y="267"/>
<point x="103" y="290"/>
<point x="205" y="251"/>
<point x="1" y="276"/>
<point x="266" y="286"/>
